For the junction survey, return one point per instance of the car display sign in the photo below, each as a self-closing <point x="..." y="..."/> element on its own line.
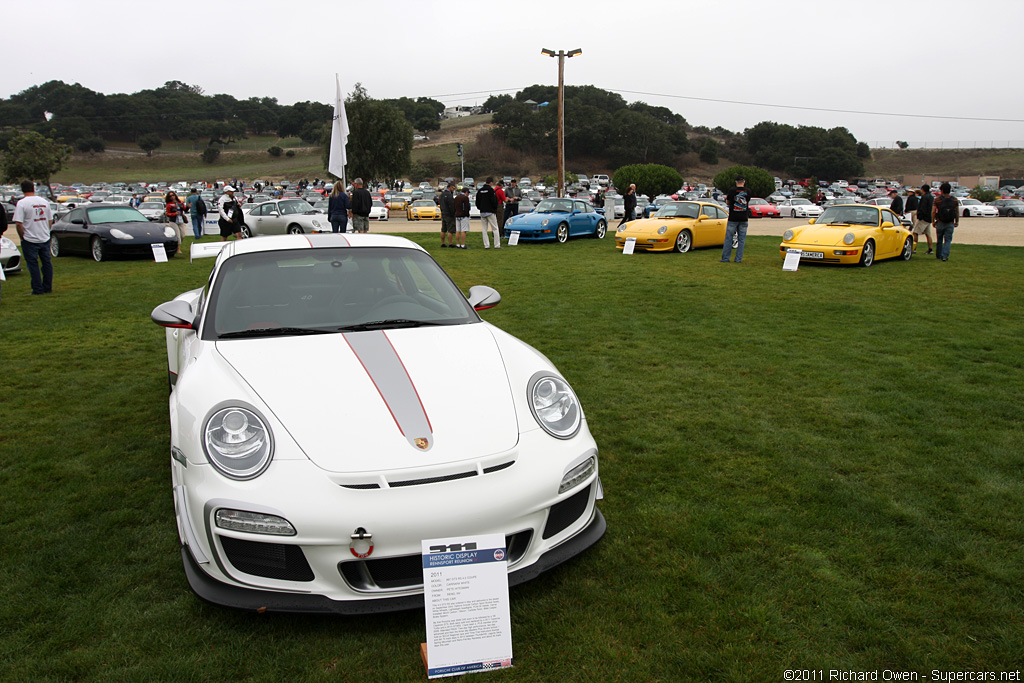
<point x="467" y="607"/>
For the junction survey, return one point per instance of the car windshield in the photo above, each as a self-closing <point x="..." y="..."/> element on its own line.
<point x="849" y="215"/>
<point x="378" y="203"/>
<point x="679" y="210"/>
<point x="115" y="214"/>
<point x="151" y="205"/>
<point x="423" y="202"/>
<point x="971" y="202"/>
<point x="554" y="205"/>
<point x="274" y="293"/>
<point x="757" y="202"/>
<point x="292" y="206"/>
<point x="800" y="202"/>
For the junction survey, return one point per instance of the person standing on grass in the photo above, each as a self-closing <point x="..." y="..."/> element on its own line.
<point x="226" y="207"/>
<point x="461" y="211"/>
<point x="910" y="209"/>
<point x="738" y="201"/>
<point x="33" y="219"/>
<point x="499" y="196"/>
<point x="447" y="207"/>
<point x="896" y="203"/>
<point x="3" y="226"/>
<point x="487" y="202"/>
<point x="946" y="217"/>
<point x="337" y="208"/>
<point x="359" y="207"/>
<point x="196" y="212"/>
<point x="923" y="219"/>
<point x="629" y="205"/>
<point x="512" y="197"/>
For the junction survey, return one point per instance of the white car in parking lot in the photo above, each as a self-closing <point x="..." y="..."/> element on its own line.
<point x="973" y="207"/>
<point x="796" y="207"/>
<point x="281" y="507"/>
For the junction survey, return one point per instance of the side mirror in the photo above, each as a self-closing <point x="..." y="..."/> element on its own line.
<point x="78" y="221"/>
<point x="702" y="217"/>
<point x="811" y="221"/>
<point x="886" y="224"/>
<point x="482" y="297"/>
<point x="176" y="314"/>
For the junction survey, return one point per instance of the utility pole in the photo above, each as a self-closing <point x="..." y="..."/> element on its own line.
<point x="561" y="54"/>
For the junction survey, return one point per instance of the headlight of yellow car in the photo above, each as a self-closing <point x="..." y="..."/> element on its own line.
<point x="662" y="230"/>
<point x="787" y="236"/>
<point x="848" y="238"/>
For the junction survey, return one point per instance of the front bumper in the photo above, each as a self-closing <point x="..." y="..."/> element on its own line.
<point x="851" y="254"/>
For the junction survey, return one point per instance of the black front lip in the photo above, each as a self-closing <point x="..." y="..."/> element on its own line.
<point x="256" y="600"/>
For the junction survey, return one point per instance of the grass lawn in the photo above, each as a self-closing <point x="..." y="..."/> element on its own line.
<point x="812" y="470"/>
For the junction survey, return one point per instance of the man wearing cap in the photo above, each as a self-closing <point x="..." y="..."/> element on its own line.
<point x="226" y="207"/>
<point x="738" y="201"/>
<point x="487" y="202"/>
<point x="896" y="205"/>
<point x="461" y="212"/>
<point x="923" y="219"/>
<point x="447" y="207"/>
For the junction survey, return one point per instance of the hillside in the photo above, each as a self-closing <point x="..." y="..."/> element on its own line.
<point x="907" y="165"/>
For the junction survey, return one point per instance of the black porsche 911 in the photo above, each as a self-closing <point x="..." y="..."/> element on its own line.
<point x="106" y="230"/>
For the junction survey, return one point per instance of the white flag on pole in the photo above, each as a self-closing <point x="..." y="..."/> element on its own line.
<point x="339" y="135"/>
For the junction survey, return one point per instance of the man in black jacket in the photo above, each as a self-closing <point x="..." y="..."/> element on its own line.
<point x="629" y="205"/>
<point x="487" y="202"/>
<point x="923" y="220"/>
<point x="896" y="203"/>
<point x="359" y="210"/>
<point x="447" y="206"/>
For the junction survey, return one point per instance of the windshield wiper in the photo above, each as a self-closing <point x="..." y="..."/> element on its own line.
<point x="391" y="323"/>
<point x="273" y="332"/>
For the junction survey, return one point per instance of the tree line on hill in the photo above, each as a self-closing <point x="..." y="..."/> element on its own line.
<point x="600" y="127"/>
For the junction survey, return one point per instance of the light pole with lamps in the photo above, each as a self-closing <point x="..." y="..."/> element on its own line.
<point x="561" y="54"/>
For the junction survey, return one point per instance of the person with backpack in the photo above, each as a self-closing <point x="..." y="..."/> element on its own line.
<point x="946" y="217"/>
<point x="196" y="211"/>
<point x="923" y="218"/>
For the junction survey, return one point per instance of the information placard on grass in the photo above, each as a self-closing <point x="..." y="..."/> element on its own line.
<point x="465" y="586"/>
<point x="513" y="239"/>
<point x="628" y="247"/>
<point x="159" y="253"/>
<point x="792" y="261"/>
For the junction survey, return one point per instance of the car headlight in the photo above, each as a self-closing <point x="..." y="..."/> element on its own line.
<point x="238" y="442"/>
<point x="621" y="228"/>
<point x="544" y="222"/>
<point x="168" y="232"/>
<point x="662" y="230"/>
<point x="848" y="238"/>
<point x="554" y="405"/>
<point x="316" y="224"/>
<point x="787" y="236"/>
<point x="120" y="234"/>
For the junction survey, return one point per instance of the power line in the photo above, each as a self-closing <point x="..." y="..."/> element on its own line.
<point x="839" y="111"/>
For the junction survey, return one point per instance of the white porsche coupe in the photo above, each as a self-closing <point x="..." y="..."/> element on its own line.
<point x="320" y="429"/>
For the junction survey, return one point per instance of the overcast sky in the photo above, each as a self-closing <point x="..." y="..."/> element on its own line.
<point x="922" y="60"/>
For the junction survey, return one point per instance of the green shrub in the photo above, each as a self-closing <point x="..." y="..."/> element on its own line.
<point x="210" y="155"/>
<point x="290" y="153"/>
<point x="275" y="151"/>
<point x="760" y="183"/>
<point x="984" y="194"/>
<point x="709" y="151"/>
<point x="650" y="179"/>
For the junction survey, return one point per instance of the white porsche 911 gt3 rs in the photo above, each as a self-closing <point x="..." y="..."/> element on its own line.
<point x="319" y="434"/>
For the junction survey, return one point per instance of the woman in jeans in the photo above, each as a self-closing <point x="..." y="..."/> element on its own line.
<point x="337" y="208"/>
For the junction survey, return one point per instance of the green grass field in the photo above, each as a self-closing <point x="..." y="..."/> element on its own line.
<point x="812" y="470"/>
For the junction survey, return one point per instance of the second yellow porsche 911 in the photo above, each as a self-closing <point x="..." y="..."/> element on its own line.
<point x="423" y="210"/>
<point x="851" y="233"/>
<point x="678" y="226"/>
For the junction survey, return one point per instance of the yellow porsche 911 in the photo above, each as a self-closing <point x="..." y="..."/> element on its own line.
<point x="423" y="210"/>
<point x="399" y="202"/>
<point x="851" y="233"/>
<point x="678" y="226"/>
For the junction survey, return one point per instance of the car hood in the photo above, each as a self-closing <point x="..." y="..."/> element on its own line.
<point x="650" y="226"/>
<point x="381" y="400"/>
<point x="828" y="236"/>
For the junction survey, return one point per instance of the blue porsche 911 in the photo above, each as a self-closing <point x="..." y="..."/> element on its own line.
<point x="558" y="219"/>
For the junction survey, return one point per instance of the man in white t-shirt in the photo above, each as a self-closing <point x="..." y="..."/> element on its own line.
<point x="33" y="219"/>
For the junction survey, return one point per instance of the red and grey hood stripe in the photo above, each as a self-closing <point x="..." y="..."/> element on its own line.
<point x="388" y="373"/>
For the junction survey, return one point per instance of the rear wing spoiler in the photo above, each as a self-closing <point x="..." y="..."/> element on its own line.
<point x="205" y="250"/>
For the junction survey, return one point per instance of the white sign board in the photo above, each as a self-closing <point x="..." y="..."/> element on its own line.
<point x="210" y="224"/>
<point x="628" y="247"/>
<point x="465" y="591"/>
<point x="159" y="253"/>
<point x="3" y="278"/>
<point x="513" y="239"/>
<point x="792" y="261"/>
